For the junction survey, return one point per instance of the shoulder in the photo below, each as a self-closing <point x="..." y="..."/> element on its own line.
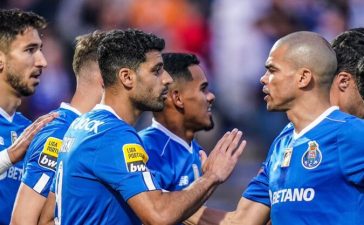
<point x="19" y="118"/>
<point x="152" y="134"/>
<point x="153" y="139"/>
<point x="346" y="123"/>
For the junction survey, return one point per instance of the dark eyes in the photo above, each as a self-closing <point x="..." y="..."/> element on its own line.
<point x="33" y="49"/>
<point x="158" y="71"/>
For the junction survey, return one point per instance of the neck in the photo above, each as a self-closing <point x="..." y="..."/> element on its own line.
<point x="85" y="100"/>
<point x="175" y="124"/>
<point x="306" y="110"/>
<point x="10" y="100"/>
<point x="126" y="110"/>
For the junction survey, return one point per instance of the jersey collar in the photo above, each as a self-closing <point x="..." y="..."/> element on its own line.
<point x="174" y="137"/>
<point x="6" y="115"/>
<point x="107" y="108"/>
<point x="315" y="122"/>
<point x="70" y="108"/>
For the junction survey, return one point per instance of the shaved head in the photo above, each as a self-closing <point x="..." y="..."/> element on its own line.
<point x="310" y="50"/>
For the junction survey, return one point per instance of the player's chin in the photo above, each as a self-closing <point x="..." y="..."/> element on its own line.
<point x="210" y="124"/>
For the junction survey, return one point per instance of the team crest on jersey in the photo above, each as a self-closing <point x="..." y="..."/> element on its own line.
<point x="135" y="157"/>
<point x="312" y="157"/>
<point x="48" y="156"/>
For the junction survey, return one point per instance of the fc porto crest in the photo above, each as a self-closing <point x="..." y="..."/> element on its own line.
<point x="312" y="157"/>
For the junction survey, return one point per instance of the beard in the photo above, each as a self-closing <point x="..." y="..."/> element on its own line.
<point x="211" y="126"/>
<point x="19" y="85"/>
<point x="145" y="103"/>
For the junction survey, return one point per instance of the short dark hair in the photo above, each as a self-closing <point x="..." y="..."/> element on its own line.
<point x="86" y="49"/>
<point x="125" y="48"/>
<point x="360" y="76"/>
<point x="176" y="64"/>
<point x="349" y="49"/>
<point x="16" y="21"/>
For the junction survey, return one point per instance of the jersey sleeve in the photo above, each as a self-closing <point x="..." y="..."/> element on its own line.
<point x="160" y="167"/>
<point x="258" y="188"/>
<point x="42" y="161"/>
<point x="350" y="144"/>
<point x="121" y="163"/>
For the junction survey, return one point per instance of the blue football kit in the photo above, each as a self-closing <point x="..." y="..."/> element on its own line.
<point x="316" y="176"/>
<point x="174" y="163"/>
<point x="10" y="128"/>
<point x="102" y="164"/>
<point x="40" y="160"/>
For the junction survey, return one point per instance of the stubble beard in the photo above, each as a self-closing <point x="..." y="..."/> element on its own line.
<point x="148" y="104"/>
<point x="17" y="84"/>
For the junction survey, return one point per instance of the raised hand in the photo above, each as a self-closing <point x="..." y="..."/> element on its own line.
<point x="17" y="150"/>
<point x="225" y="155"/>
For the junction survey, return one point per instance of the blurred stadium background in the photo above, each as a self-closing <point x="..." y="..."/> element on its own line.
<point x="231" y="37"/>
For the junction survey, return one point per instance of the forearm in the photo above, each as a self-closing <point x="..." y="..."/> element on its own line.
<point x="193" y="197"/>
<point x="206" y="216"/>
<point x="173" y="207"/>
<point x="248" y="213"/>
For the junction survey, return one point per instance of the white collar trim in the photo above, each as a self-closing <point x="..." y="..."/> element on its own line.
<point x="107" y="108"/>
<point x="174" y="137"/>
<point x="69" y="107"/>
<point x="6" y="115"/>
<point x="315" y="122"/>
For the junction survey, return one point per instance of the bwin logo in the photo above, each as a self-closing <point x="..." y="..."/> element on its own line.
<point x="48" y="162"/>
<point x="137" y="167"/>
<point x="86" y="124"/>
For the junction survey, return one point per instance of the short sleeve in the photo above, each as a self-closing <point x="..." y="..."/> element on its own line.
<point x="41" y="165"/>
<point x="120" y="161"/>
<point x="350" y="143"/>
<point x="258" y="188"/>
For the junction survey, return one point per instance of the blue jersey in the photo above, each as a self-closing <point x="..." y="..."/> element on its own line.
<point x="174" y="163"/>
<point x="102" y="164"/>
<point x="316" y="176"/>
<point x="40" y="160"/>
<point x="10" y="128"/>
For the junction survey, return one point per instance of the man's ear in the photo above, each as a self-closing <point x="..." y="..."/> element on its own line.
<point x="126" y="77"/>
<point x="343" y="80"/>
<point x="177" y="98"/>
<point x="2" y="60"/>
<point x="305" y="77"/>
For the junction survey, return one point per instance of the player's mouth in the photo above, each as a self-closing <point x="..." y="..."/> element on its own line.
<point x="164" y="93"/>
<point x="265" y="91"/>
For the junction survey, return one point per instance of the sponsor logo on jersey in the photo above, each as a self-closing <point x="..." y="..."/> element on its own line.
<point x="135" y="157"/>
<point x="287" y="157"/>
<point x="48" y="156"/>
<point x="2" y="141"/>
<point x="184" y="181"/>
<point x="312" y="157"/>
<point x="86" y="124"/>
<point x="67" y="144"/>
<point x="13" y="173"/>
<point x="14" y="136"/>
<point x="292" y="195"/>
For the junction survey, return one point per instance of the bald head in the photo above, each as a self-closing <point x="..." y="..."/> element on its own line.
<point x="310" y="50"/>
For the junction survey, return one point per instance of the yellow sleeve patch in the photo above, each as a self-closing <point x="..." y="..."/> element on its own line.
<point x="52" y="146"/>
<point x="134" y="153"/>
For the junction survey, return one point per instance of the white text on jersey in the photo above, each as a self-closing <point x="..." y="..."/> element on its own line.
<point x="292" y="195"/>
<point x="86" y="124"/>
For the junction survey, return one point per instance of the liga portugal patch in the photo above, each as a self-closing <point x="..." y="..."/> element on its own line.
<point x="48" y="156"/>
<point x="135" y="157"/>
